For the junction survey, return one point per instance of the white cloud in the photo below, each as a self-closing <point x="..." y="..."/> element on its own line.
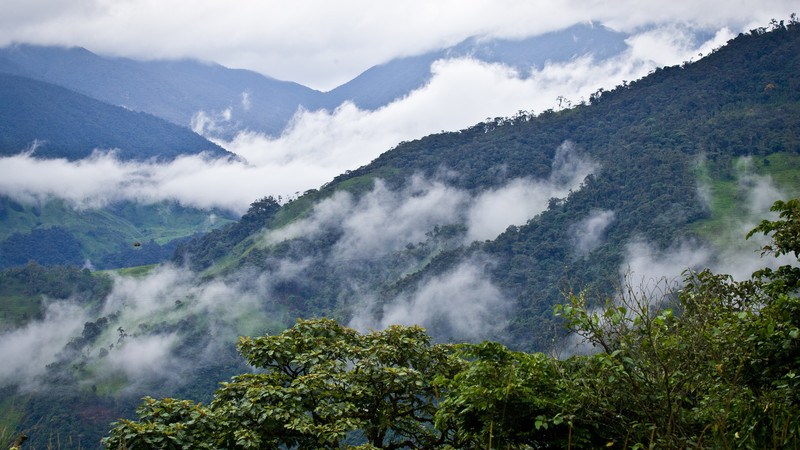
<point x="323" y="44"/>
<point x="319" y="145"/>
<point x="588" y="234"/>
<point x="646" y="263"/>
<point x="26" y="351"/>
<point x="520" y="200"/>
<point x="460" y="304"/>
<point x="144" y="357"/>
<point x="385" y="221"/>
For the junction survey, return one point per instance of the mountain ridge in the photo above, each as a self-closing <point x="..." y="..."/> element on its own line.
<point x="234" y="100"/>
<point x="60" y="123"/>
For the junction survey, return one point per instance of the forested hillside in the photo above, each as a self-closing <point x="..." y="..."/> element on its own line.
<point x="652" y="144"/>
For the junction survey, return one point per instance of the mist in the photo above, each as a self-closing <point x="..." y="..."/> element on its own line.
<point x="521" y="199"/>
<point x="729" y="252"/>
<point x="462" y="304"/>
<point x="27" y="351"/>
<point x="588" y="234"/>
<point x="316" y="146"/>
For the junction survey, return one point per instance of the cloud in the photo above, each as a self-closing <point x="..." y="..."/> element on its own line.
<point x="728" y="252"/>
<point x="323" y="44"/>
<point x="462" y="304"/>
<point x="315" y="147"/>
<point x="384" y="221"/>
<point x="160" y="327"/>
<point x="144" y="357"/>
<point x="647" y="263"/>
<point x="588" y="234"/>
<point x="170" y="293"/>
<point x="760" y="190"/>
<point x="26" y="351"/>
<point x="381" y="221"/>
<point x="318" y="145"/>
<point x="521" y="199"/>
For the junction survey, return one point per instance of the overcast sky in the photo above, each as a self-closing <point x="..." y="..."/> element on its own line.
<point x="324" y="43"/>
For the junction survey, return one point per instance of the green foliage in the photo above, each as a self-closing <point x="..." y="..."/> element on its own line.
<point x="505" y="399"/>
<point x="321" y="382"/>
<point x="710" y="365"/>
<point x="200" y="252"/>
<point x="54" y="245"/>
<point x="785" y="234"/>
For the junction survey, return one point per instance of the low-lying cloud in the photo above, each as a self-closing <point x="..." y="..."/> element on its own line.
<point x="520" y="200"/>
<point x="730" y="252"/>
<point x="589" y="233"/>
<point x="27" y="351"/>
<point x="319" y="145"/>
<point x="461" y="304"/>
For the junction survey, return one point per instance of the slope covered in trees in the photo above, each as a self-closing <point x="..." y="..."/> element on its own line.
<point x="651" y="142"/>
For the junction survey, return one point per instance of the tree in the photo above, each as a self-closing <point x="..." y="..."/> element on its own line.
<point x="505" y="399"/>
<point x="785" y="241"/>
<point x="322" y="386"/>
<point x="711" y="364"/>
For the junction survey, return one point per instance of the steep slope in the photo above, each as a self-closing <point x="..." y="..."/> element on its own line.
<point x="65" y="124"/>
<point x="646" y="142"/>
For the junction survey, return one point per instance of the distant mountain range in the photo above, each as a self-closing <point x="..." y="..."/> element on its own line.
<point x="180" y="91"/>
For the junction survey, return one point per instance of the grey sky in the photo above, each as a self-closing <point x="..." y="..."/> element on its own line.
<point x="323" y="43"/>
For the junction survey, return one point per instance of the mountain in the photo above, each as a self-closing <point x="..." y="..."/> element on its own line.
<point x="173" y="90"/>
<point x="221" y="101"/>
<point x="65" y="124"/>
<point x="637" y="172"/>
<point x="384" y="83"/>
